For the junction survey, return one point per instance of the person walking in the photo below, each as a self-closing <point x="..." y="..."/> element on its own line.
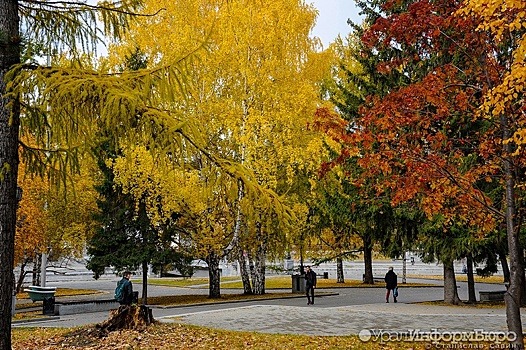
<point x="310" y="284"/>
<point x="124" y="290"/>
<point x="391" y="284"/>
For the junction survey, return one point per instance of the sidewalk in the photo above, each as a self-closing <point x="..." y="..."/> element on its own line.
<point x="349" y="319"/>
<point x="352" y="311"/>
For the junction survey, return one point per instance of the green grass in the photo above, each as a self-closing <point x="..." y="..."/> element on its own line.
<point x="182" y="281"/>
<point x="285" y="282"/>
<point x="271" y="282"/>
<point x="478" y="305"/>
<point x="204" y="299"/>
<point x="462" y="278"/>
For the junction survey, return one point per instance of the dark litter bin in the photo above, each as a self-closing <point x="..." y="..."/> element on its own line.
<point x="326" y="275"/>
<point x="298" y="283"/>
<point x="135" y="298"/>
<point x="48" y="306"/>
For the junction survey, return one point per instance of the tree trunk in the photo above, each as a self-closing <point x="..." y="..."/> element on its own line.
<point x="36" y="270"/>
<point x="523" y="278"/>
<point x="514" y="294"/>
<point x="9" y="129"/>
<point x="368" y="259"/>
<point x="21" y="277"/>
<point x="260" y="262"/>
<point x="339" y="271"/>
<point x="243" y="270"/>
<point x="505" y="267"/>
<point x="126" y="317"/>
<point x="251" y="267"/>
<point x="450" y="284"/>
<point x="145" y="283"/>
<point x="214" y="282"/>
<point x="472" y="298"/>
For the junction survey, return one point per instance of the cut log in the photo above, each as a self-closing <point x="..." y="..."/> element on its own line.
<point x="133" y="317"/>
<point x="136" y="317"/>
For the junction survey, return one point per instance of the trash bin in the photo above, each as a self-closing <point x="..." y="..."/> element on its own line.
<point x="135" y="298"/>
<point x="298" y="283"/>
<point x="48" y="306"/>
<point x="326" y="275"/>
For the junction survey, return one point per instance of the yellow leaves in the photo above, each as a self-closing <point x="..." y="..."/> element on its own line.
<point x="498" y="16"/>
<point x="505" y="19"/>
<point x="251" y="94"/>
<point x="163" y="188"/>
<point x="179" y="336"/>
<point x="519" y="138"/>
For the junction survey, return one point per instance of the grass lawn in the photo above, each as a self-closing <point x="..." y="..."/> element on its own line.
<point x="463" y="278"/>
<point x="478" y="305"/>
<point x="200" y="299"/>
<point x="29" y="315"/>
<point x="181" y="281"/>
<point x="271" y="282"/>
<point x="177" y="336"/>
<point x="285" y="282"/>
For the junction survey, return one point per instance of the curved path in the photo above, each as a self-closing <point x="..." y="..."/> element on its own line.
<point x="351" y="311"/>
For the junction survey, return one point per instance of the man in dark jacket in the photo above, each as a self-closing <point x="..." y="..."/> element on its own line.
<point x="391" y="282"/>
<point x="310" y="284"/>
<point x="127" y="292"/>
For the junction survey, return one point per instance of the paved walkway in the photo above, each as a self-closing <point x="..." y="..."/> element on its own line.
<point x="331" y="315"/>
<point x="348" y="320"/>
<point x="352" y="311"/>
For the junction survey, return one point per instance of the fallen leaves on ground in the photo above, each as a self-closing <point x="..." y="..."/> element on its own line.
<point x="29" y="315"/>
<point x="271" y="282"/>
<point x="177" y="336"/>
<point x="200" y="299"/>
<point x="477" y="305"/>
<point x="496" y="279"/>
<point x="183" y="281"/>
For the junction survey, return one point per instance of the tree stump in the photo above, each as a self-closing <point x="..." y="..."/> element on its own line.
<point x="136" y="317"/>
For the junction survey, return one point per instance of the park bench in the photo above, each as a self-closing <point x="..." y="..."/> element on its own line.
<point x="81" y="307"/>
<point x="37" y="293"/>
<point x="375" y="278"/>
<point x="497" y="295"/>
<point x="86" y="306"/>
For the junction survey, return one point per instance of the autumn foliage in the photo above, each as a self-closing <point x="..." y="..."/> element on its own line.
<point x="426" y="141"/>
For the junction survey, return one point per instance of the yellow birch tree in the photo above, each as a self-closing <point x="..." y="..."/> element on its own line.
<point x="252" y="94"/>
<point x="505" y="22"/>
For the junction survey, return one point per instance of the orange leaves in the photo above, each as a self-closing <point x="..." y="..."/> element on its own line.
<point x="332" y="124"/>
<point x="31" y="224"/>
<point x="178" y="336"/>
<point x="417" y="28"/>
